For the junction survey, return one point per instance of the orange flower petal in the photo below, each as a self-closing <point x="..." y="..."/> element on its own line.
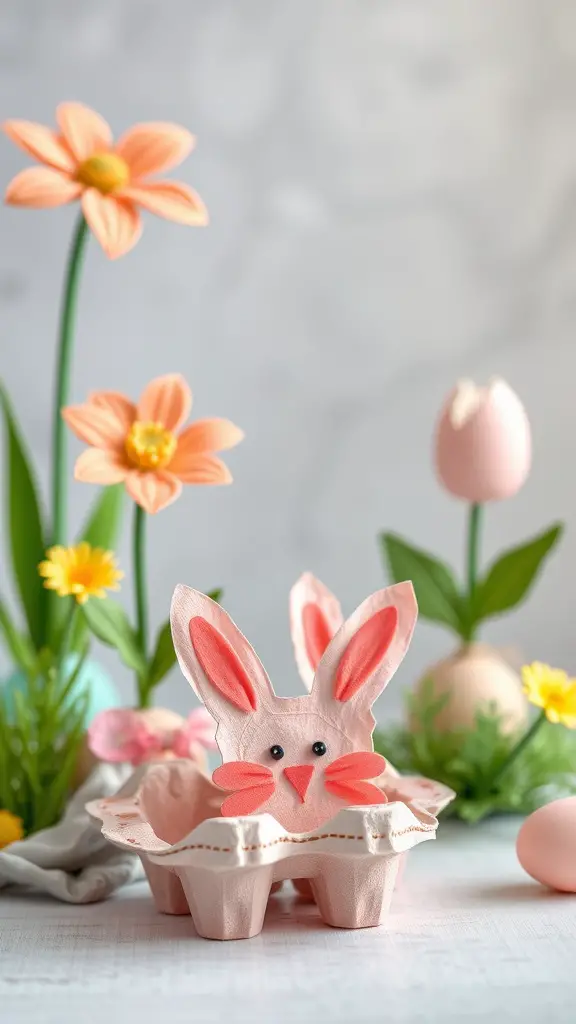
<point x="170" y="199"/>
<point x="117" y="405"/>
<point x="95" y="426"/>
<point x="212" y="435"/>
<point x="40" y="142"/>
<point x="202" y="469"/>
<point x="153" y="491"/>
<point x="41" y="187"/>
<point x="166" y="400"/>
<point x="83" y="129"/>
<point x="115" y="222"/>
<point x="95" y="466"/>
<point x="154" y="147"/>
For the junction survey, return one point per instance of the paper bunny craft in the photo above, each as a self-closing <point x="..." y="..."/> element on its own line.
<point x="295" y="798"/>
<point x="301" y="759"/>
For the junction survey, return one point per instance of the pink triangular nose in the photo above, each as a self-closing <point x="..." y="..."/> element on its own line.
<point x="299" y="776"/>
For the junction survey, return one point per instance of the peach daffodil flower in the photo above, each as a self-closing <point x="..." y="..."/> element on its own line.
<point x="81" y="161"/>
<point x="141" y="446"/>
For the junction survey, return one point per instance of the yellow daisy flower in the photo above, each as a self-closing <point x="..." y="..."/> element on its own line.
<point x="552" y="690"/>
<point x="82" y="571"/>
<point x="11" y="828"/>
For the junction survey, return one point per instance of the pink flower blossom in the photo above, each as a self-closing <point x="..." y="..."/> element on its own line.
<point x="155" y="734"/>
<point x="199" y="731"/>
<point x="120" y="735"/>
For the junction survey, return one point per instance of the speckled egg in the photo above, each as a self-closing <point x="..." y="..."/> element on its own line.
<point x="546" y="845"/>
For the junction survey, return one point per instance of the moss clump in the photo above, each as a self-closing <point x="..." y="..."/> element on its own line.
<point x="467" y="760"/>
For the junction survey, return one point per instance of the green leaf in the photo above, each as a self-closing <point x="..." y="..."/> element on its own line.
<point x="101" y="531"/>
<point x="164" y="656"/>
<point x="436" y="589"/>
<point x="108" y="621"/>
<point x="25" y="526"/>
<point x="19" y="646"/>
<point x="510" y="577"/>
<point x="67" y="689"/>
<point x="101" y="527"/>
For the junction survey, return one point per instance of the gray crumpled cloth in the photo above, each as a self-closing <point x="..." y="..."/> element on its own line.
<point x="73" y="861"/>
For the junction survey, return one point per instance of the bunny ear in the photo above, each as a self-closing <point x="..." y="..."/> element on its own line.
<point x="365" y="653"/>
<point x="215" y="657"/>
<point x="315" y="616"/>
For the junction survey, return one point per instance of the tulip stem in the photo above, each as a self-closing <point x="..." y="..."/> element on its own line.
<point x="139" y="545"/>
<point x="474" y="521"/>
<point x="63" y="368"/>
<point x="517" y="750"/>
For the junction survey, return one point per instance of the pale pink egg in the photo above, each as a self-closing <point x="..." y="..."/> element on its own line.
<point x="475" y="678"/>
<point x="546" y="845"/>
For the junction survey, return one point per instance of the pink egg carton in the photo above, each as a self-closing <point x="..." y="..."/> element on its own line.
<point x="298" y="802"/>
<point x="222" y="870"/>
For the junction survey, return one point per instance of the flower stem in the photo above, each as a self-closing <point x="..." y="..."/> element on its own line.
<point x="517" y="750"/>
<point x="63" y="367"/>
<point x="139" y="542"/>
<point x="474" y="520"/>
<point x="66" y="641"/>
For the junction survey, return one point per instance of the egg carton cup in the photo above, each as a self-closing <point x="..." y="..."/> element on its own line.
<point x="222" y="870"/>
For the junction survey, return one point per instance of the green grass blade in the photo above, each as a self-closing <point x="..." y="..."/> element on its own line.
<point x="25" y="526"/>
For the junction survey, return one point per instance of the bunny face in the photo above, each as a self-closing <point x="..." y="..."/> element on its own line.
<point x="300" y="759"/>
<point x="293" y="749"/>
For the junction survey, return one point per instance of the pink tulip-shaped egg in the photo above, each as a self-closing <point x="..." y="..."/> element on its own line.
<point x="483" y="442"/>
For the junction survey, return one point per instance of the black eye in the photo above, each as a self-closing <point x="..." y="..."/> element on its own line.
<point x="319" y="748"/>
<point x="277" y="752"/>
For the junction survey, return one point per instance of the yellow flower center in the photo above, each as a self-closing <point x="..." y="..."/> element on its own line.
<point x="81" y="578"/>
<point x="150" y="445"/>
<point x="104" y="171"/>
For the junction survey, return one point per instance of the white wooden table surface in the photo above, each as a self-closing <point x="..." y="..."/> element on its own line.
<point x="470" y="938"/>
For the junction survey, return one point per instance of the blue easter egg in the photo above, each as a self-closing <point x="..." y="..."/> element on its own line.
<point x="92" y="678"/>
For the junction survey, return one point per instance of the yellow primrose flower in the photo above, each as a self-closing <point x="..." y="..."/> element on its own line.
<point x="552" y="690"/>
<point x="82" y="571"/>
<point x="11" y="828"/>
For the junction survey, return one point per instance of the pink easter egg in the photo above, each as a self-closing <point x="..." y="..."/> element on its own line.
<point x="546" y="845"/>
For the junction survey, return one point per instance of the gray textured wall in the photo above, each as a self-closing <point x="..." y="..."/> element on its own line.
<point x="392" y="192"/>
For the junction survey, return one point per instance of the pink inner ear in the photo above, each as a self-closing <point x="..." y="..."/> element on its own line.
<point x="365" y="652"/>
<point x="317" y="634"/>
<point x="221" y="665"/>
